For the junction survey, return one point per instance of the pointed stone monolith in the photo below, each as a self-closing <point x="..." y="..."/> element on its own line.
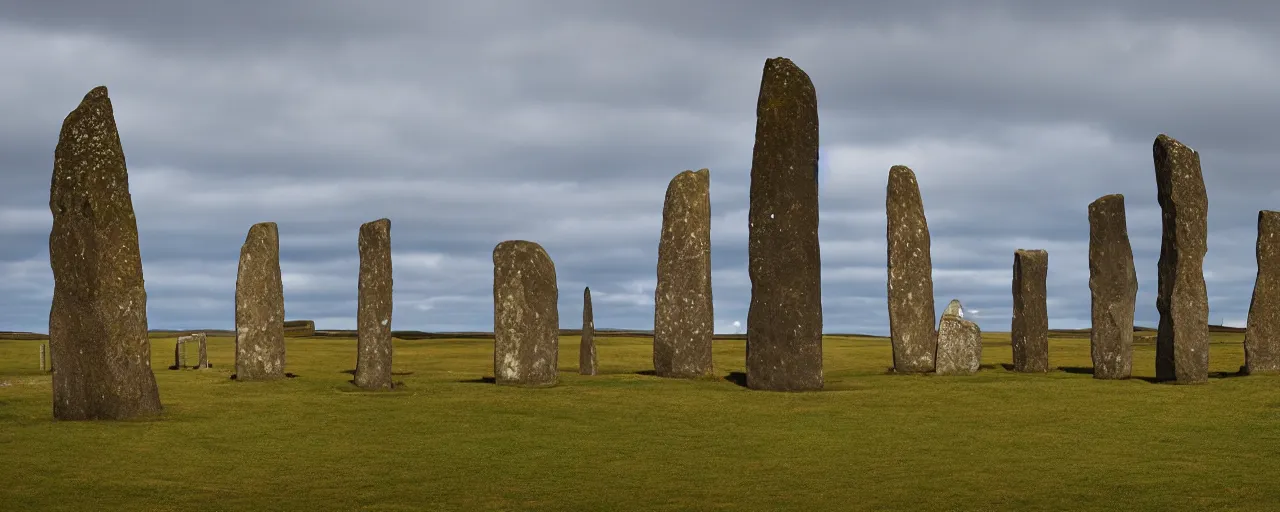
<point x="374" y="307"/>
<point x="587" y="348"/>
<point x="98" y="319"/>
<point x="959" y="343"/>
<point x="260" y="306"/>
<point x="1113" y="286"/>
<point x="910" y="280"/>
<point x="1029" y="333"/>
<point x="683" y="315"/>
<point x="784" y="322"/>
<point x="1182" y="340"/>
<point x="526" y="318"/>
<point x="1262" y="334"/>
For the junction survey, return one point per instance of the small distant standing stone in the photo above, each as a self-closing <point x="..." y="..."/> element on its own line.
<point x="180" y="353"/>
<point x="587" y="349"/>
<point x="784" y="322"/>
<point x="260" y="306"/>
<point x="1113" y="285"/>
<point x="44" y="365"/>
<point x="910" y="279"/>
<point x="959" y="343"/>
<point x="683" y="317"/>
<point x="203" y="342"/>
<point x="374" y="307"/>
<point x="1262" y="334"/>
<point x="1182" y="340"/>
<point x="1030" y="330"/>
<point x="526" y="318"/>
<point x="98" y="318"/>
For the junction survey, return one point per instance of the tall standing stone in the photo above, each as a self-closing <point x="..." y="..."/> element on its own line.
<point x="1182" y="340"/>
<point x="203" y="340"/>
<point x="910" y="280"/>
<point x="959" y="343"/>
<point x="1029" y="334"/>
<point x="98" y="319"/>
<point x="784" y="322"/>
<point x="1262" y="334"/>
<point x="1113" y="285"/>
<point x="374" y="305"/>
<point x="260" y="306"/>
<point x="683" y="316"/>
<point x="587" y="349"/>
<point x="526" y="318"/>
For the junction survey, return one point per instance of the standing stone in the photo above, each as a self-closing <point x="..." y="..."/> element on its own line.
<point x="1030" y="331"/>
<point x="180" y="353"/>
<point x="98" y="319"/>
<point x="1113" y="284"/>
<point x="959" y="343"/>
<point x="683" y="318"/>
<point x="44" y="363"/>
<point x="203" y="341"/>
<point x="373" y="313"/>
<point x="587" y="349"/>
<point x="1182" y="340"/>
<point x="1262" y="335"/>
<point x="526" y="318"/>
<point x="784" y="322"/>
<point x="260" y="306"/>
<point x="910" y="279"/>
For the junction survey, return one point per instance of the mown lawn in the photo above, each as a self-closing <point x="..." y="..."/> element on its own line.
<point x="629" y="441"/>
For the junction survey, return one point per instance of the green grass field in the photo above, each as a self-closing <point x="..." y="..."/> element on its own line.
<point x="628" y="441"/>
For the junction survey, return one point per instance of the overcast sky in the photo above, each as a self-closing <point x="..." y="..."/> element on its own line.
<point x="469" y="123"/>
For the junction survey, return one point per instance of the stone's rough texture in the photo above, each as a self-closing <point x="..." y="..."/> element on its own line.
<point x="260" y="306"/>
<point x="784" y="322"/>
<point x="373" y="313"/>
<point x="526" y="321"/>
<point x="180" y="353"/>
<point x="1113" y="284"/>
<point x="683" y="316"/>
<point x="910" y="280"/>
<point x="98" y="320"/>
<point x="1182" y="340"/>
<point x="587" y="349"/>
<point x="1030" y="330"/>
<point x="202" y="340"/>
<point x="959" y="343"/>
<point x="1262" y="335"/>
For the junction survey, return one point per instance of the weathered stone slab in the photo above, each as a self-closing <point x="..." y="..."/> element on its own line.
<point x="203" y="341"/>
<point x="1182" y="340"/>
<point x="179" y="353"/>
<point x="910" y="280"/>
<point x="1030" y="330"/>
<point x="260" y="306"/>
<point x="683" y="315"/>
<point x="98" y="319"/>
<point x="959" y="343"/>
<point x="1113" y="285"/>
<point x="784" y="322"/>
<point x="374" y="307"/>
<point x="1262" y="334"/>
<point x="587" y="349"/>
<point x="526" y="318"/>
<point x="44" y="357"/>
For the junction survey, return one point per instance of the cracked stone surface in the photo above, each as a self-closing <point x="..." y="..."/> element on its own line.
<point x="260" y="306"/>
<point x="910" y="275"/>
<point x="1113" y="286"/>
<point x="587" y="348"/>
<point x="1262" y="333"/>
<point x="526" y="318"/>
<point x="98" y="318"/>
<point x="683" y="318"/>
<point x="374" y="307"/>
<point x="959" y="343"/>
<point x="1029" y="333"/>
<point x="1182" y="339"/>
<point x="784" y="322"/>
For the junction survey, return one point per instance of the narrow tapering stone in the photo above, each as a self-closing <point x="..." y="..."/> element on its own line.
<point x="1182" y="340"/>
